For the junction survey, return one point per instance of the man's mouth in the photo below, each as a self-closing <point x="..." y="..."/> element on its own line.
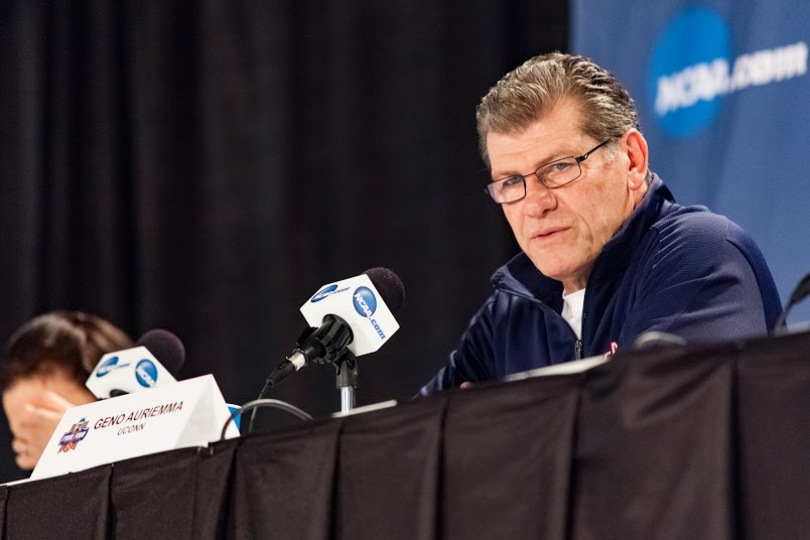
<point x="548" y="232"/>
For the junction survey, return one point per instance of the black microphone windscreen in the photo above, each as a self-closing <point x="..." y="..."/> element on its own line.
<point x="166" y="347"/>
<point x="389" y="286"/>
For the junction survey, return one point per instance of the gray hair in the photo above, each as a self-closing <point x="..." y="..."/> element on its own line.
<point x="524" y="94"/>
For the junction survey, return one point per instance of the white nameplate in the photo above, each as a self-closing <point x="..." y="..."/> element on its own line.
<point x="177" y="415"/>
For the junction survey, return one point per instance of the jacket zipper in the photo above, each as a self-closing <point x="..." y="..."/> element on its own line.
<point x="577" y="344"/>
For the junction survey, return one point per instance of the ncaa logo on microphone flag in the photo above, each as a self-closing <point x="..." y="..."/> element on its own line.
<point x="365" y="303"/>
<point x="693" y="67"/>
<point x="146" y="373"/>
<point x="109" y="365"/>
<point x="357" y="301"/>
<point x="323" y="293"/>
<point x="326" y="292"/>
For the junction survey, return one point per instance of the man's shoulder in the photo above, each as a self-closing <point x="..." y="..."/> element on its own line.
<point x="693" y="236"/>
<point x="696" y="224"/>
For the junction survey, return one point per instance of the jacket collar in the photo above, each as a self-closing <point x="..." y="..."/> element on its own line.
<point x="520" y="276"/>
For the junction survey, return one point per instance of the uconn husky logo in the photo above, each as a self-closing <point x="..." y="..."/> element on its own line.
<point x="365" y="303"/>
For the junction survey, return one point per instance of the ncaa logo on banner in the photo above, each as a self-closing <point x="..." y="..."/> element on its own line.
<point x="693" y="67"/>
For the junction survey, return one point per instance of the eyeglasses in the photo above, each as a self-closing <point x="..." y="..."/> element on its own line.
<point x="553" y="175"/>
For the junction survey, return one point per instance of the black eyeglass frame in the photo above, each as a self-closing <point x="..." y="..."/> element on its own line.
<point x="490" y="188"/>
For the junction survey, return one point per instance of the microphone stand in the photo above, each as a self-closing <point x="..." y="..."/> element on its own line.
<point x="346" y="379"/>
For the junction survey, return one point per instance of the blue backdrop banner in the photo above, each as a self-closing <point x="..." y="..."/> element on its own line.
<point x="724" y="96"/>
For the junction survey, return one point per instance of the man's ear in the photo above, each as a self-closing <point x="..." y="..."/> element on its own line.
<point x="637" y="154"/>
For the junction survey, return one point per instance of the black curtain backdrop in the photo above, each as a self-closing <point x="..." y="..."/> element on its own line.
<point x="205" y="166"/>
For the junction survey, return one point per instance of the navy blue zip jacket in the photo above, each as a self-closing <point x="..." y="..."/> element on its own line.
<point x="671" y="268"/>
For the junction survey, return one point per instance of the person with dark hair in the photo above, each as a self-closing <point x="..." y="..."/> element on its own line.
<point x="43" y="370"/>
<point x="607" y="253"/>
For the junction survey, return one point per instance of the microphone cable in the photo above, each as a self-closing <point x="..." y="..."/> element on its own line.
<point x="801" y="292"/>
<point x="258" y="403"/>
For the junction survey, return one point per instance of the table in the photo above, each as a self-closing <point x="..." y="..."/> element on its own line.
<point x="704" y="441"/>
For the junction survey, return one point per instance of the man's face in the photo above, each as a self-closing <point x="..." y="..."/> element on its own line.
<point x="563" y="230"/>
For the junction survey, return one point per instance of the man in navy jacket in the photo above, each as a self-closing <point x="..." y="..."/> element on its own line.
<point x="607" y="254"/>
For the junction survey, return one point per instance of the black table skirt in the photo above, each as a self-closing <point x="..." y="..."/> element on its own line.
<point x="698" y="442"/>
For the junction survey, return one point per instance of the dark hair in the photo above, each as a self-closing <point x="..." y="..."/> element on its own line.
<point x="69" y="340"/>
<point x="532" y="89"/>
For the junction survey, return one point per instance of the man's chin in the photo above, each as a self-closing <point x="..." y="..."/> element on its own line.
<point x="549" y="270"/>
<point x="558" y="270"/>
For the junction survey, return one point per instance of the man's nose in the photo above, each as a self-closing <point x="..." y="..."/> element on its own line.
<point x="539" y="198"/>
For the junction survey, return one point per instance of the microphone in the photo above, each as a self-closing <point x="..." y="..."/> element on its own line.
<point x="166" y="346"/>
<point x="135" y="369"/>
<point x="801" y="292"/>
<point x="354" y="315"/>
